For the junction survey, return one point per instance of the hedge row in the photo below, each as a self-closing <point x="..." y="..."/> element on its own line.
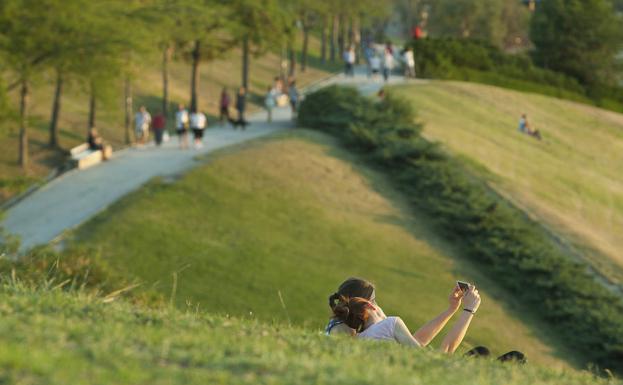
<point x="490" y="231"/>
<point x="477" y="61"/>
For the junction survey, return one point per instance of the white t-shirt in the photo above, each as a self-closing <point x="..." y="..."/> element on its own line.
<point x="142" y="121"/>
<point x="181" y="118"/>
<point x="388" y="60"/>
<point x="383" y="330"/>
<point x="409" y="60"/>
<point x="197" y="120"/>
<point x="375" y="63"/>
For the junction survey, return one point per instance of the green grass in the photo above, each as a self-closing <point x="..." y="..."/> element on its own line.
<point x="147" y="86"/>
<point x="295" y="215"/>
<point x="571" y="181"/>
<point x="54" y="337"/>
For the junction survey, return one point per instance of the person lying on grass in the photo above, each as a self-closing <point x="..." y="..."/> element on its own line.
<point x="355" y="312"/>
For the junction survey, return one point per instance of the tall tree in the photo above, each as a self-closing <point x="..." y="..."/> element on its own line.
<point x="578" y="37"/>
<point x="257" y="27"/>
<point x="26" y="33"/>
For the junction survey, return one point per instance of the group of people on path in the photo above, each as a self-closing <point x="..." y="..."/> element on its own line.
<point x="278" y="94"/>
<point x="195" y="122"/>
<point x="380" y="60"/>
<point x="356" y="313"/>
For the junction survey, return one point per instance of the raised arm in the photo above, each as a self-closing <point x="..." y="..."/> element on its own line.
<point x="471" y="302"/>
<point x="430" y="330"/>
<point x="403" y="335"/>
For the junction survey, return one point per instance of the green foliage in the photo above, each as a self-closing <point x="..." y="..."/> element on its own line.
<point x="579" y="38"/>
<point x="497" y="22"/>
<point x="51" y="337"/>
<point x="488" y="229"/>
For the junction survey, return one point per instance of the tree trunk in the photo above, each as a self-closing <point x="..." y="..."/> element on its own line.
<point x="245" y="62"/>
<point x="335" y="26"/>
<point x="166" y="57"/>
<point x="194" y="78"/>
<point x="128" y="109"/>
<point x="323" y="41"/>
<point x="292" y="56"/>
<point x="92" y="107"/>
<point x="341" y="38"/>
<point x="23" y="124"/>
<point x="56" y="110"/>
<point x="305" y="47"/>
<point x="356" y="39"/>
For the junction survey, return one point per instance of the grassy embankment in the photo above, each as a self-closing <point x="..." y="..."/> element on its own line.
<point x="110" y="114"/>
<point x="52" y="337"/>
<point x="294" y="217"/>
<point x="571" y="181"/>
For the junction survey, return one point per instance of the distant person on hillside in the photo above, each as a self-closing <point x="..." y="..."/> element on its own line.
<point x="224" y="106"/>
<point x="409" y="61"/>
<point x="356" y="313"/>
<point x="95" y="142"/>
<point x="241" y="105"/>
<point x="526" y="128"/>
<point x="523" y="124"/>
<point x="349" y="61"/>
<point x="142" y="123"/>
<point x="198" y="122"/>
<point x="182" y="122"/>
<point x="293" y="95"/>
<point x="159" y="125"/>
<point x="270" y="100"/>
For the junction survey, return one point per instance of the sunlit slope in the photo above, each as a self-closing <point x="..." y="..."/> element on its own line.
<point x="572" y="180"/>
<point x="292" y="217"/>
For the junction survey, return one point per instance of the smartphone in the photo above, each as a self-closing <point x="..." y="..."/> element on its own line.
<point x="463" y="285"/>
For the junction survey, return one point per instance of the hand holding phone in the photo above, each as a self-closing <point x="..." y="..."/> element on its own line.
<point x="464" y="286"/>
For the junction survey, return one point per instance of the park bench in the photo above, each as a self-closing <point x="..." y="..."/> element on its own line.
<point x="82" y="156"/>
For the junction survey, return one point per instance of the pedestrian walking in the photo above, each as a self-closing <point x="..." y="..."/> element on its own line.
<point x="182" y="121"/>
<point x="349" y="61"/>
<point x="159" y="125"/>
<point x="142" y="123"/>
<point x="224" y="106"/>
<point x="409" y="61"/>
<point x="198" y="124"/>
<point x="388" y="61"/>
<point x="270" y="100"/>
<point x="241" y="105"/>
<point x="293" y="94"/>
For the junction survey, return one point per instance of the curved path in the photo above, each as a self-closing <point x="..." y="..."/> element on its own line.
<point x="76" y="196"/>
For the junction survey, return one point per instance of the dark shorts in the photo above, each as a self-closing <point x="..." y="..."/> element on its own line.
<point x="198" y="132"/>
<point x="181" y="131"/>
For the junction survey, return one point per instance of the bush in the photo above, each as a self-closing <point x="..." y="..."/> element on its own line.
<point x="493" y="233"/>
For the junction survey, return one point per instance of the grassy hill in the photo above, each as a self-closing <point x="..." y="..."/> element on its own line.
<point x="54" y="337"/>
<point x="571" y="181"/>
<point x="147" y="88"/>
<point x="269" y="229"/>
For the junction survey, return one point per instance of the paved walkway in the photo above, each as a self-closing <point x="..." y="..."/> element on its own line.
<point x="76" y="196"/>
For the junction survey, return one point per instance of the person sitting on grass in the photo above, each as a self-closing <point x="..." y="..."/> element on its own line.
<point x="367" y="320"/>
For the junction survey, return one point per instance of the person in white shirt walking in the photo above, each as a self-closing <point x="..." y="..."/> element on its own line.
<point x="349" y="61"/>
<point x="409" y="61"/>
<point x="198" y="124"/>
<point x="142" y="121"/>
<point x="182" y="121"/>
<point x="388" y="61"/>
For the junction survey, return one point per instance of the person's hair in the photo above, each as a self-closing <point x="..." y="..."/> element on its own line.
<point x="352" y="287"/>
<point x="352" y="311"/>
